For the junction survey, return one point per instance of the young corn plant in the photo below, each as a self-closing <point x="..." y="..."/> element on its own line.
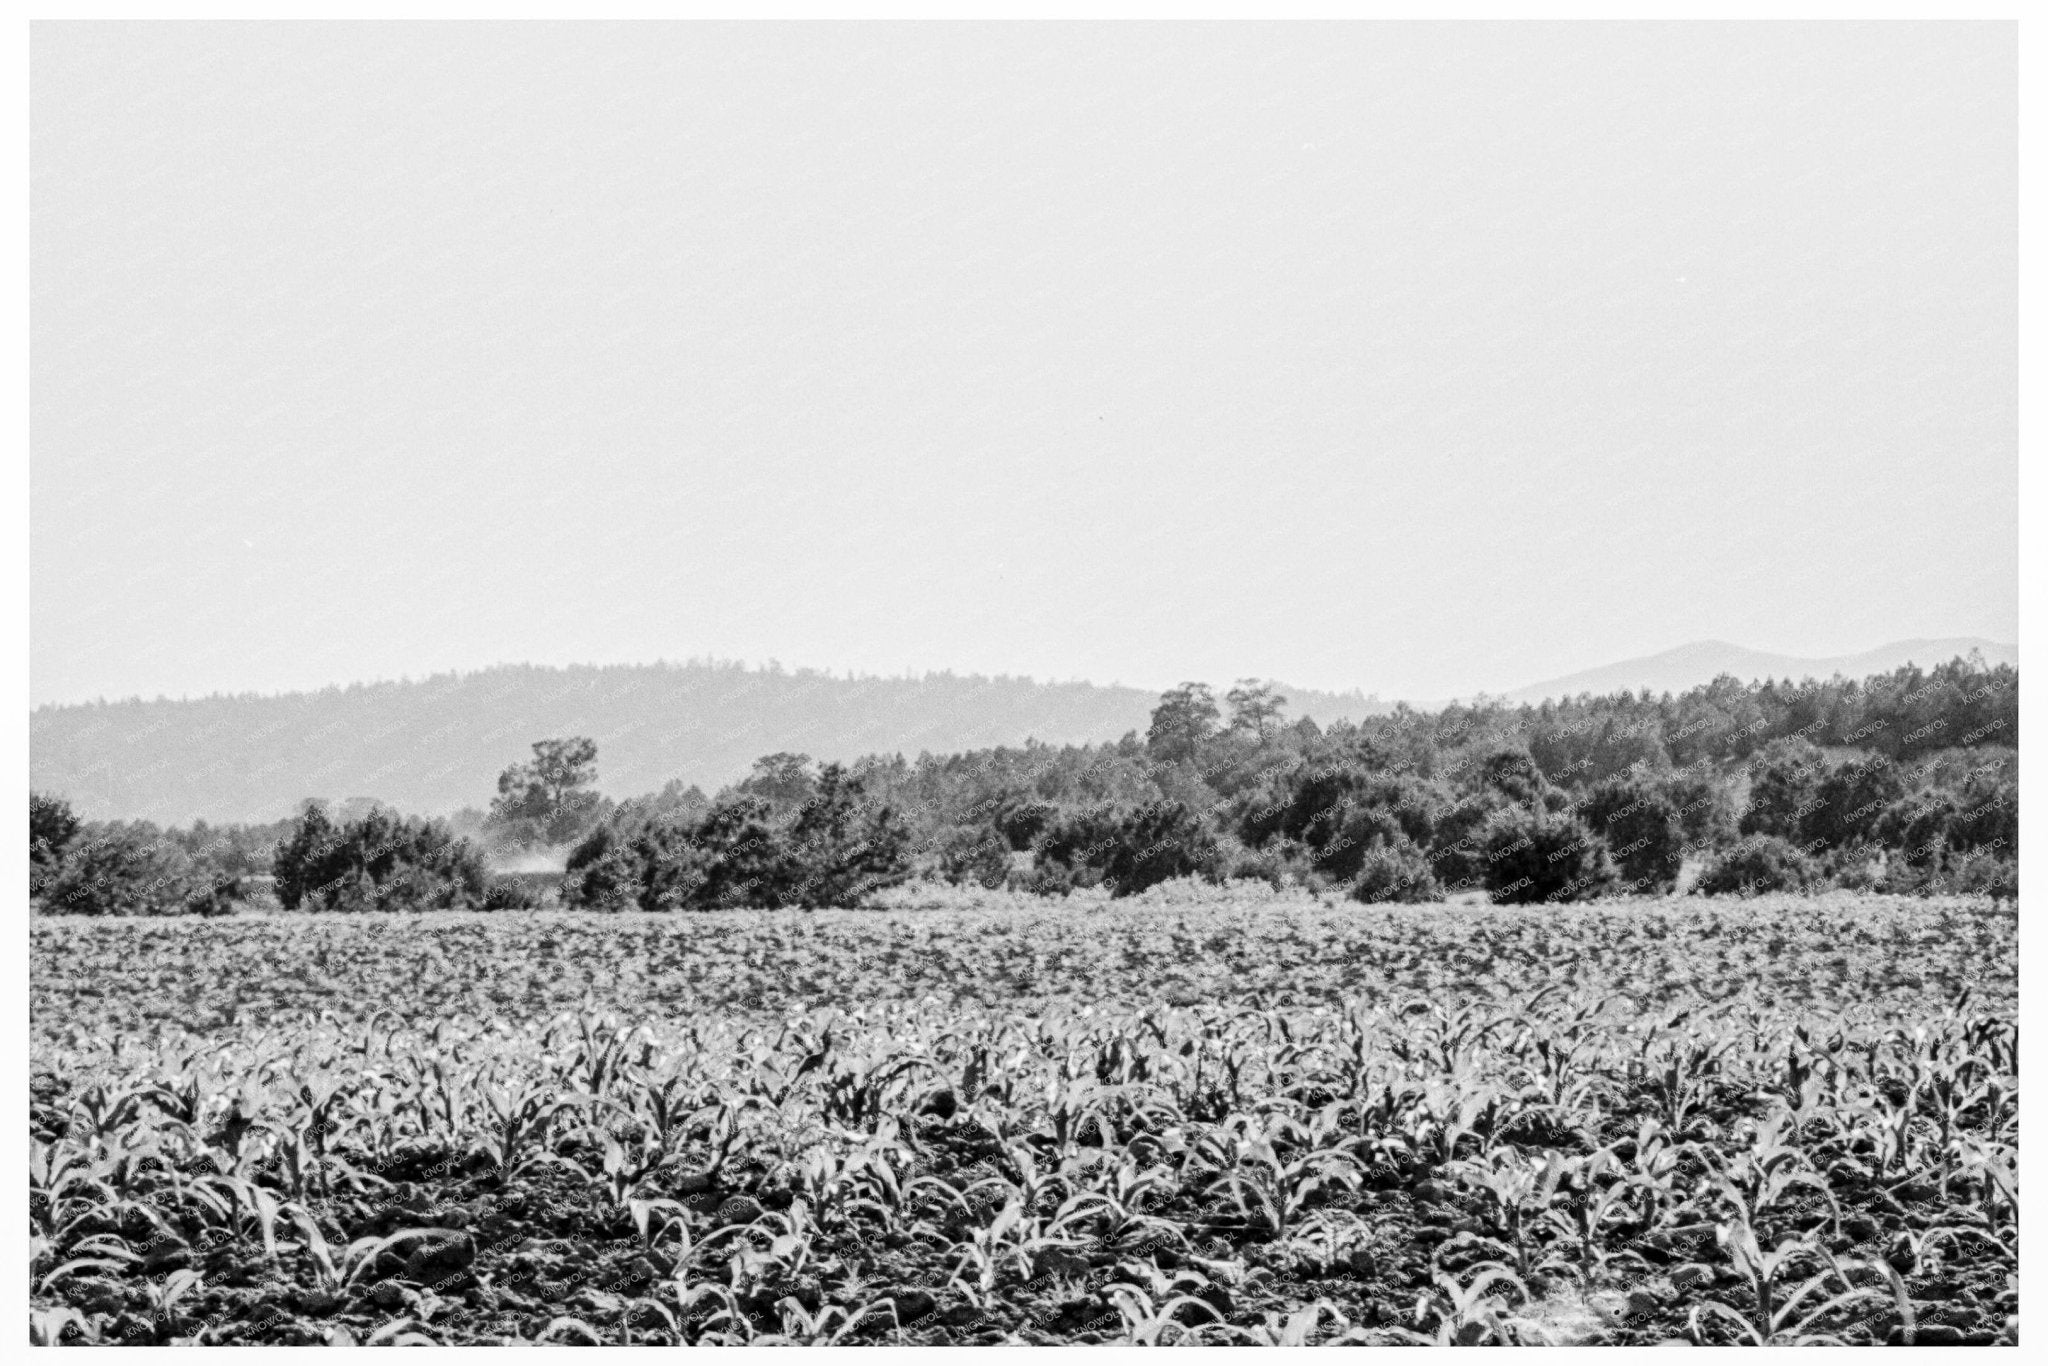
<point x="1778" y="1314"/>
<point x="100" y="1252"/>
<point x="1515" y="1194"/>
<point x="514" y="1124"/>
<point x="166" y="1296"/>
<point x="1300" y="1328"/>
<point x="1586" y="1215"/>
<point x="1469" y="1315"/>
<point x="831" y="1326"/>
<point x="1268" y="1189"/>
<point x="987" y="1251"/>
<point x="333" y="1272"/>
<point x="1758" y="1179"/>
<point x="1151" y="1313"/>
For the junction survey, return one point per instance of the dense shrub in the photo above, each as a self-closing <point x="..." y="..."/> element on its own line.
<point x="833" y="849"/>
<point x="1760" y="863"/>
<point x="1341" y="857"/>
<point x="1850" y="801"/>
<point x="1987" y="815"/>
<point x="606" y="871"/>
<point x="1514" y="774"/>
<point x="1980" y="872"/>
<point x="1395" y="870"/>
<point x="130" y="869"/>
<point x="1075" y="849"/>
<point x="977" y="855"/>
<point x="1916" y="828"/>
<point x="1986" y="873"/>
<point x="1156" y="843"/>
<point x="1278" y="863"/>
<point x="1458" y="854"/>
<point x="1338" y="811"/>
<point x="1705" y="806"/>
<point x="1853" y="867"/>
<point x="844" y="848"/>
<point x="51" y="827"/>
<point x="1022" y="818"/>
<point x="1644" y="835"/>
<point x="1784" y="787"/>
<point x="379" y="862"/>
<point x="1051" y="878"/>
<point x="1540" y="855"/>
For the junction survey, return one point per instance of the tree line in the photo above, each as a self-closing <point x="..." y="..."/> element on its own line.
<point x="1903" y="782"/>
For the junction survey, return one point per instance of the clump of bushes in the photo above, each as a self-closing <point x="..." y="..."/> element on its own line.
<point x="130" y="869"/>
<point x="1760" y="863"/>
<point x="834" y="849"/>
<point x="1278" y="862"/>
<point x="977" y="855"/>
<point x="118" y="868"/>
<point x="1980" y="872"/>
<point x="1126" y="849"/>
<point x="1073" y="850"/>
<point x="1985" y="873"/>
<point x="52" y="826"/>
<point x="1538" y="855"/>
<point x="378" y="862"/>
<point x="1156" y="843"/>
<point x="1784" y="789"/>
<point x="1641" y="827"/>
<point x="1396" y="870"/>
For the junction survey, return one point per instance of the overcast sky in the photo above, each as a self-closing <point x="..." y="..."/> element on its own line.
<point x="1416" y="359"/>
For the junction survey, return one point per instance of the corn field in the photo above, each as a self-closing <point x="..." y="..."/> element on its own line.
<point x="1169" y="1121"/>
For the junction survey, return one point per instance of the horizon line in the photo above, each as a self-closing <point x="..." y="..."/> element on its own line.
<point x="774" y="667"/>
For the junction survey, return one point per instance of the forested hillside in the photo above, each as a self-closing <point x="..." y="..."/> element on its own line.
<point x="435" y="745"/>
<point x="1906" y="782"/>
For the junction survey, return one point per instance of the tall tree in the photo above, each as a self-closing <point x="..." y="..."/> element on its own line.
<point x="781" y="779"/>
<point x="1185" y="718"/>
<point x="51" y="827"/>
<point x="548" y="800"/>
<point x="1254" y="707"/>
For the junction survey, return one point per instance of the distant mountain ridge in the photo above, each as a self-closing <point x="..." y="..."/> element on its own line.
<point x="1703" y="661"/>
<point x="435" y="745"/>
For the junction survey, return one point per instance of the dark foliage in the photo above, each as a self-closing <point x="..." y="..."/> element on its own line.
<point x="833" y="849"/>
<point x="1395" y="870"/>
<point x="381" y="861"/>
<point x="1539" y="855"/>
<point x="131" y="869"/>
<point x="979" y="855"/>
<point x="1852" y="799"/>
<point x="1904" y="780"/>
<point x="1784" y="787"/>
<point x="1157" y="842"/>
<point x="1183" y="722"/>
<point x="51" y="828"/>
<point x="1642" y="829"/>
<point x="1760" y="863"/>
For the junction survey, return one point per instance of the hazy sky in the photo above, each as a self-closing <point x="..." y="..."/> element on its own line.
<point x="1422" y="359"/>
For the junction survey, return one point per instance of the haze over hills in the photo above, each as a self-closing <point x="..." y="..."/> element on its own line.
<point x="1688" y="666"/>
<point x="435" y="745"/>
